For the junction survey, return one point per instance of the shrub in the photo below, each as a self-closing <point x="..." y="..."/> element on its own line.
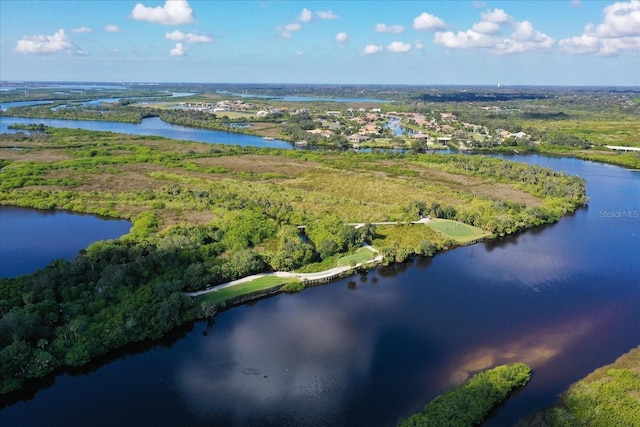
<point x="470" y="403"/>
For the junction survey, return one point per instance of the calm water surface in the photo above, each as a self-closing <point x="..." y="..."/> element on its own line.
<point x="153" y="127"/>
<point x="5" y="105"/>
<point x="31" y="239"/>
<point x="367" y="350"/>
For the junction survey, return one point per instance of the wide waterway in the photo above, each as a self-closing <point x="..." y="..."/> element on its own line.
<point x="151" y="127"/>
<point x="367" y="350"/>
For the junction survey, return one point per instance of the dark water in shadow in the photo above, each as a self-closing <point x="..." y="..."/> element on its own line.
<point x="368" y="350"/>
<point x="31" y="239"/>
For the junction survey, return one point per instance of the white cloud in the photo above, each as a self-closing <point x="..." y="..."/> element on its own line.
<point x="305" y="15"/>
<point x="498" y="16"/>
<point x="488" y="34"/>
<point x="418" y="45"/>
<point x="427" y="22"/>
<point x="580" y="45"/>
<point x="523" y="31"/>
<point x="299" y="53"/>
<point x="81" y="30"/>
<point x="399" y="47"/>
<point x="620" y="20"/>
<point x="393" y="29"/>
<point x="289" y="28"/>
<point x="463" y="39"/>
<point x="176" y="35"/>
<point x="619" y="31"/>
<point x="179" y="50"/>
<point x="174" y="12"/>
<point x="342" y="37"/>
<point x="327" y="15"/>
<point x="372" y="48"/>
<point x="486" y="27"/>
<point x="179" y="36"/>
<point x="479" y="4"/>
<point x="58" y="42"/>
<point x="112" y="28"/>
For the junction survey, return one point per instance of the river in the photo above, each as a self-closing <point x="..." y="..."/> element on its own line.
<point x="152" y="126"/>
<point x="370" y="349"/>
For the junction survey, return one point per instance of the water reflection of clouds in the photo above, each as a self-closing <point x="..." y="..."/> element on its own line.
<point x="535" y="349"/>
<point x="535" y="269"/>
<point x="289" y="358"/>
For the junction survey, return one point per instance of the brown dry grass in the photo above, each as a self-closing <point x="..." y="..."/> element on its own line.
<point x="481" y="187"/>
<point x="125" y="182"/>
<point x="33" y="155"/>
<point x="259" y="164"/>
<point x="462" y="183"/>
<point x="356" y="191"/>
<point x="272" y="130"/>
<point x="174" y="217"/>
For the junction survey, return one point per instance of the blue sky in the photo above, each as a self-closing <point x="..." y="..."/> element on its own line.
<point x="558" y="42"/>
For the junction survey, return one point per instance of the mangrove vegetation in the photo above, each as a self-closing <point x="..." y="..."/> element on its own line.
<point x="470" y="403"/>
<point x="207" y="214"/>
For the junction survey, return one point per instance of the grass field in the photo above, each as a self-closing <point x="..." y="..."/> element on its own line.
<point x="457" y="231"/>
<point x="609" y="396"/>
<point x="260" y="284"/>
<point x="361" y="255"/>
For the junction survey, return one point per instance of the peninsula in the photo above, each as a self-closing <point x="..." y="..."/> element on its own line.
<point x="208" y="214"/>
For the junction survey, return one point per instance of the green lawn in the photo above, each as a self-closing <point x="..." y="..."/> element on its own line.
<point x="457" y="231"/>
<point x="223" y="295"/>
<point x="361" y="255"/>
<point x="236" y="114"/>
<point x="262" y="283"/>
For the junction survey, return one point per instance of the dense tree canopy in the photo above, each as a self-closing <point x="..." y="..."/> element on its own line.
<point x="204" y="215"/>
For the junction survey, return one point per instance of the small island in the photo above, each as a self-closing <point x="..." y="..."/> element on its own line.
<point x="470" y="403"/>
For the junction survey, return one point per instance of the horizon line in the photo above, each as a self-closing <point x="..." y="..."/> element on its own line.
<point x="490" y="85"/>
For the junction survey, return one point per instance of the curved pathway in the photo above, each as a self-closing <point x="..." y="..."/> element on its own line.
<point x="321" y="275"/>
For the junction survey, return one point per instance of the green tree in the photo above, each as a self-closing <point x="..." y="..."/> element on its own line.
<point x="145" y="224"/>
<point x="367" y="232"/>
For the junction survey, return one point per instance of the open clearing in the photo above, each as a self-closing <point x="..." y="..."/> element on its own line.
<point x="494" y="190"/>
<point x="259" y="164"/>
<point x="457" y="231"/>
<point x="361" y="255"/>
<point x="223" y="295"/>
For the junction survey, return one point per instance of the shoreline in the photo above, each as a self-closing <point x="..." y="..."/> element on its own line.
<point x="309" y="279"/>
<point x="304" y="279"/>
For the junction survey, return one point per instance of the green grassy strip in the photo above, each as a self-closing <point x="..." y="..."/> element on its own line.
<point x="361" y="255"/>
<point x="470" y="403"/>
<point x="456" y="230"/>
<point x="223" y="295"/>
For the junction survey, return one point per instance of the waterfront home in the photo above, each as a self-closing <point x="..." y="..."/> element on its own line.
<point x="357" y="138"/>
